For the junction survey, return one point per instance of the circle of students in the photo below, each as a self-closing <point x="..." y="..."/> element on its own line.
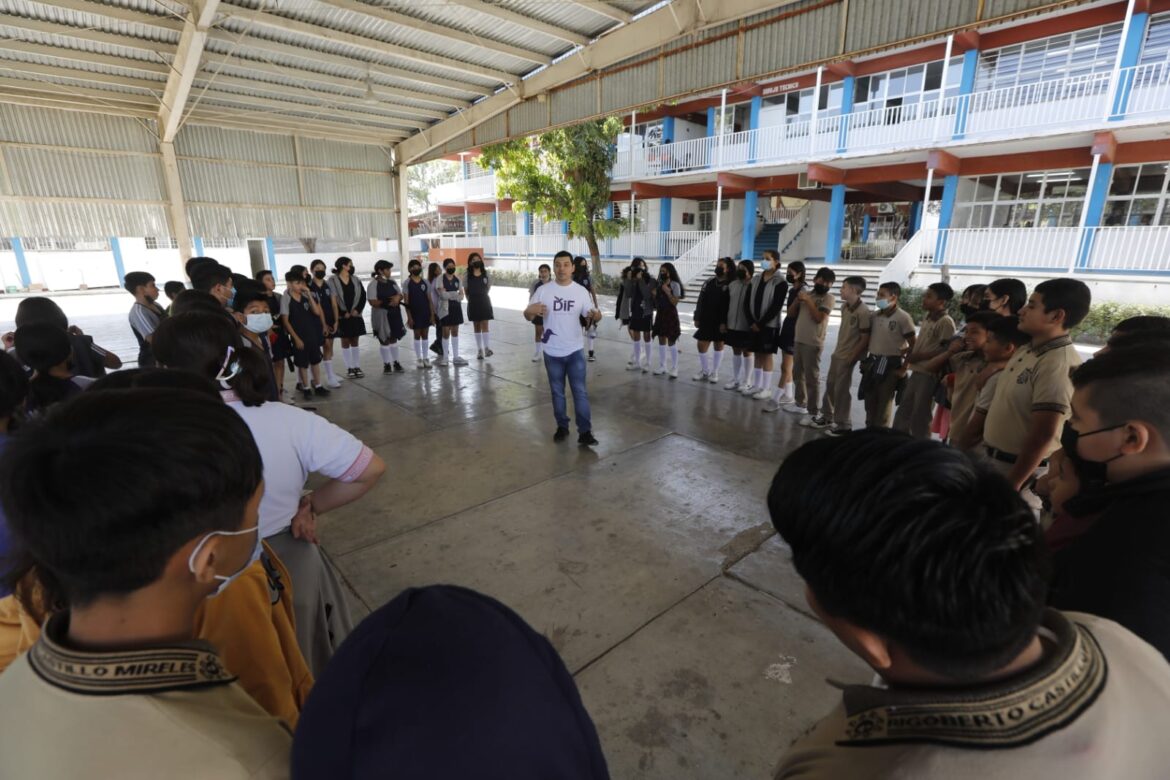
<point x="166" y="609"/>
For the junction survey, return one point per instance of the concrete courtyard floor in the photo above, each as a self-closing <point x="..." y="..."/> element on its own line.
<point x="649" y="560"/>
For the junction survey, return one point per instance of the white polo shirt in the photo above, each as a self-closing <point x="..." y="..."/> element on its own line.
<point x="562" y="322"/>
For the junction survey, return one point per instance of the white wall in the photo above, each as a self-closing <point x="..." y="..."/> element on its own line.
<point x="684" y="130"/>
<point x="1117" y="289"/>
<point x="816" y="234"/>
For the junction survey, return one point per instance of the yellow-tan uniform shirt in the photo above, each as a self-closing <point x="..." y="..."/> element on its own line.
<point x="1037" y="379"/>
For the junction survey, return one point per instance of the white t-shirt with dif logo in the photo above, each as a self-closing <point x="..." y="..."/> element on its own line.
<point x="562" y="322"/>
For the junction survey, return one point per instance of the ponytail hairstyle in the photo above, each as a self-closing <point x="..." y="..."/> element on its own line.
<point x="434" y="270"/>
<point x="42" y="346"/>
<point x="340" y="263"/>
<point x="212" y="347"/>
<point x="381" y="265"/>
<point x="674" y="277"/>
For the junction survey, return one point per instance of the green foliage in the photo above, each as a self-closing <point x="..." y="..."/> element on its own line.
<point x="911" y="302"/>
<point x="422" y="179"/>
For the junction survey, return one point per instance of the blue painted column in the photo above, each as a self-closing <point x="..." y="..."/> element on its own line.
<point x="564" y="227"/>
<point x="21" y="263"/>
<point x="198" y="246"/>
<point x="836" y="224"/>
<point x="915" y="218"/>
<point x="521" y="223"/>
<point x="711" y="121"/>
<point x="609" y="241"/>
<point x="865" y="228"/>
<point x="966" y="88"/>
<point x="846" y="110"/>
<point x="945" y="213"/>
<point x="751" y="200"/>
<point x="664" y="215"/>
<point x="119" y="267"/>
<point x="754" y="124"/>
<point x="1094" y="210"/>
<point x="270" y="250"/>
<point x="667" y="137"/>
<point x="1131" y="51"/>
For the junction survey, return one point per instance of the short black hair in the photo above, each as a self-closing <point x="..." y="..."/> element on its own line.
<point x="1144" y="323"/>
<point x="317" y="261"/>
<point x="917" y="542"/>
<point x="974" y="291"/>
<point x="1070" y="295"/>
<point x="259" y="275"/>
<point x="340" y="262"/>
<point x="893" y="288"/>
<point x="197" y="300"/>
<point x="200" y="343"/>
<point x="382" y="264"/>
<point x="557" y="256"/>
<point x="195" y="263"/>
<point x="1139" y="337"/>
<point x="772" y="253"/>
<point x="13" y="385"/>
<point x="943" y="290"/>
<point x="856" y="282"/>
<point x="38" y="308"/>
<point x="173" y="289"/>
<point x="208" y="276"/>
<point x="984" y="319"/>
<point x="826" y="273"/>
<point x="542" y="267"/>
<point x="1015" y="290"/>
<point x="136" y="279"/>
<point x="102" y="509"/>
<point x="296" y="273"/>
<point x="42" y="345"/>
<point x="1129" y="383"/>
<point x="1005" y="330"/>
<point x="249" y="292"/>
<point x="798" y="266"/>
<point x="157" y="378"/>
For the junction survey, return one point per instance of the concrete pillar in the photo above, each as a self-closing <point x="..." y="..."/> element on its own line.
<point x="846" y="110"/>
<point x="966" y="87"/>
<point x="21" y="262"/>
<point x="747" y="250"/>
<point x="609" y="241"/>
<point x="836" y="225"/>
<point x="522" y="223"/>
<point x="711" y="121"/>
<point x="915" y="219"/>
<point x="1130" y="54"/>
<point x="119" y="267"/>
<point x="865" y="228"/>
<point x="664" y="215"/>
<point x="945" y="213"/>
<point x="1094" y="210"/>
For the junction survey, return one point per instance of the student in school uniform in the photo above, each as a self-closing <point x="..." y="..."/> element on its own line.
<point x="739" y="335"/>
<point x="438" y="305"/>
<point x="319" y="287"/>
<point x="891" y="338"/>
<point x="544" y="276"/>
<point x="794" y="275"/>
<point x="419" y="315"/>
<point x="935" y="334"/>
<point x="45" y="348"/>
<point x="960" y="367"/>
<point x="635" y="309"/>
<point x="88" y="358"/>
<point x="765" y="301"/>
<point x="582" y="277"/>
<point x="385" y="298"/>
<point x="351" y="303"/>
<point x="711" y="310"/>
<point x="1005" y="296"/>
<point x="812" y="323"/>
<point x="666" y="327"/>
<point x="852" y="344"/>
<point x="479" y="304"/>
<point x="252" y="301"/>
<point x="145" y="314"/>
<point x="279" y="342"/>
<point x="172" y="291"/>
<point x="1002" y="339"/>
<point x="304" y="323"/>
<point x="450" y="290"/>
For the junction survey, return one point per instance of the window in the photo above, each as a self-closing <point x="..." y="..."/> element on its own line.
<point x="5" y="245"/>
<point x="43" y="244"/>
<point x="798" y="105"/>
<point x="906" y="86"/>
<point x="1137" y="196"/>
<point x="155" y="242"/>
<point x="222" y="243"/>
<point x="707" y="214"/>
<point x="1062" y="56"/>
<point x="1022" y="200"/>
<point x="1157" y="46"/>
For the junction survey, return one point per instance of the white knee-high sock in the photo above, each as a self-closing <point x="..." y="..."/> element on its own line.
<point x="636" y="352"/>
<point x="479" y="341"/>
<point x="765" y="380"/>
<point x="385" y="352"/>
<point x="536" y="351"/>
<point x="716" y="359"/>
<point x="447" y="348"/>
<point x="487" y="340"/>
<point x="662" y="356"/>
<point x="704" y="363"/>
<point x="329" y="370"/>
<point x="758" y="378"/>
<point x="674" y="358"/>
<point x="345" y="358"/>
<point x="394" y="353"/>
<point x="592" y="337"/>
<point x="776" y="391"/>
<point x="454" y="347"/>
<point x="417" y="351"/>
<point x="736" y="367"/>
<point x="355" y="356"/>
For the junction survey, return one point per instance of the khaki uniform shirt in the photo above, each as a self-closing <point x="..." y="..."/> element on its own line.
<point x="813" y="333"/>
<point x="933" y="335"/>
<point x="163" y="712"/>
<point x="855" y="321"/>
<point x="966" y="367"/>
<point x="889" y="332"/>
<point x="1037" y="379"/>
<point x="1095" y="708"/>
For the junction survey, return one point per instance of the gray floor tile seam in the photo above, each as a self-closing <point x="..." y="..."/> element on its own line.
<point x="349" y="586"/>
<point x="391" y="401"/>
<point x="500" y="497"/>
<point x="802" y="608"/>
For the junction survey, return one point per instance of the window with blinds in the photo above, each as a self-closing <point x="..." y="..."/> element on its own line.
<point x="1082" y="53"/>
<point x="1022" y="200"/>
<point x="1157" y="44"/>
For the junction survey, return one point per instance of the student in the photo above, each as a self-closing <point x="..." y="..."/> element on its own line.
<point x="667" y="294"/>
<point x="852" y="344"/>
<point x="479" y="304"/>
<point x="891" y="338"/>
<point x="294" y="443"/>
<point x="253" y="303"/>
<point x="971" y="301"/>
<point x="444" y="682"/>
<point x="280" y="344"/>
<point x="1058" y="489"/>
<point x="1005" y="296"/>
<point x="304" y="323"/>
<point x="117" y="686"/>
<point x="635" y="309"/>
<point x="385" y="298"/>
<point x="929" y="567"/>
<point x="438" y="305"/>
<point x="215" y="279"/>
<point x="961" y="366"/>
<point x="765" y="299"/>
<point x="711" y="310"/>
<point x="812" y="322"/>
<point x="172" y="290"/>
<point x="544" y="276"/>
<point x="1032" y="397"/>
<point x="88" y="358"/>
<point x="351" y="302"/>
<point x="739" y="334"/>
<point x="13" y="390"/>
<point x="1129" y="331"/>
<point x="582" y="277"/>
<point x="935" y="333"/>
<point x="795" y="278"/>
<point x="419" y="315"/>
<point x="45" y="348"/>
<point x="450" y="292"/>
<point x="562" y="304"/>
<point x="145" y="314"/>
<point x="1003" y="340"/>
<point x="1118" y="440"/>
<point x="320" y="288"/>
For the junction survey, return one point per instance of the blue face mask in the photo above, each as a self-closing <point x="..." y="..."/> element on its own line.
<point x="231" y="298"/>
<point x="883" y="304"/>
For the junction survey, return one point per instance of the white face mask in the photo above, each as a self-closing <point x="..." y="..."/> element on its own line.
<point x="258" y="323"/>
<point x="225" y="581"/>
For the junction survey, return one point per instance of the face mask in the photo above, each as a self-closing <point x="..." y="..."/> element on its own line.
<point x="225" y="581"/>
<point x="231" y="298"/>
<point x="258" y="323"/>
<point x="883" y="304"/>
<point x="985" y="305"/>
<point x="451" y="270"/>
<point x="967" y="310"/>
<point x="820" y="289"/>
<point x="415" y="271"/>
<point x="319" y="274"/>
<point x="718" y="273"/>
<point x="743" y="275"/>
<point x="1092" y="473"/>
<point x="663" y="277"/>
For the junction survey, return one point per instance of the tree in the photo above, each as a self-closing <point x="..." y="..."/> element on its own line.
<point x="562" y="175"/>
<point x="421" y="181"/>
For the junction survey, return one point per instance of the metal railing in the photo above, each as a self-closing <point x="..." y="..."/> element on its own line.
<point x="793" y="230"/>
<point x="1144" y="89"/>
<point x="1141" y="248"/>
<point x="654" y="245"/>
<point x="1145" y="248"/>
<point x="698" y="258"/>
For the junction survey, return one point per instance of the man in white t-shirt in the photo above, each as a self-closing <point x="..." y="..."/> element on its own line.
<point x="563" y="306"/>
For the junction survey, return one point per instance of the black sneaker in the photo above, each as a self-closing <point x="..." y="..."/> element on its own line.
<point x="398" y="369"/>
<point x="300" y="387"/>
<point x="321" y="391"/>
<point x="349" y="372"/>
<point x="387" y="368"/>
<point x="358" y="373"/>
<point x="586" y="439"/>
<point x="307" y="393"/>
<point x="837" y="430"/>
<point x="561" y="434"/>
<point x="591" y="358"/>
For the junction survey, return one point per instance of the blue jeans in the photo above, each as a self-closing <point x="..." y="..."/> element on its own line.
<point x="574" y="366"/>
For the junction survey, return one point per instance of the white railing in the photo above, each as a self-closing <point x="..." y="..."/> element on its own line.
<point x="792" y="231"/>
<point x="908" y="259"/>
<point x="652" y="245"/>
<point x="896" y="125"/>
<point x="481" y="187"/>
<point x="1057" y="103"/>
<point x="1130" y="248"/>
<point x="782" y="142"/>
<point x="778" y="214"/>
<point x="451" y="192"/>
<point x="874" y="249"/>
<point x="698" y="258"/>
<point x="1144" y="89"/>
<point x="656" y="244"/>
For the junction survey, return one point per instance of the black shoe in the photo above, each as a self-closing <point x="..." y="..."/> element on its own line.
<point x="591" y="358"/>
<point x="586" y="439"/>
<point x="349" y="372"/>
<point x="387" y="368"/>
<point x="358" y="373"/>
<point x="398" y="369"/>
<point x="561" y="434"/>
<point x="307" y="393"/>
<point x="300" y="387"/>
<point x="321" y="391"/>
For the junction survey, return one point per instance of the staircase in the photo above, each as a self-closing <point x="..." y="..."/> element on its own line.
<point x="768" y="238"/>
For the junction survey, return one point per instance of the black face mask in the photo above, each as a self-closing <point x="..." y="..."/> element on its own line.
<point x="1093" y="474"/>
<point x="820" y="289"/>
<point x="790" y="278"/>
<point x="319" y="274"/>
<point x="743" y="275"/>
<point x="985" y="305"/>
<point x="718" y="273"/>
<point x="664" y="277"/>
<point x="415" y="271"/>
<point x="451" y="270"/>
<point x="967" y="310"/>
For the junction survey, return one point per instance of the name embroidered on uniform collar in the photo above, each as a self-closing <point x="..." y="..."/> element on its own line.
<point x="1009" y="714"/>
